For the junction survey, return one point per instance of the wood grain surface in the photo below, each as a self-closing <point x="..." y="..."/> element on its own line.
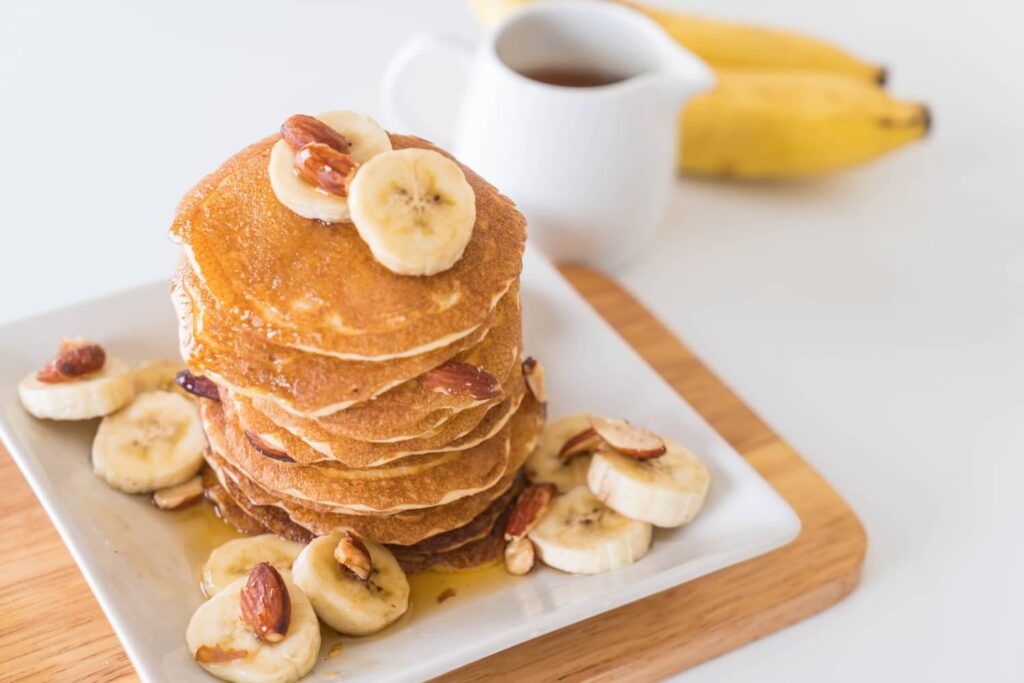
<point x="53" y="629"/>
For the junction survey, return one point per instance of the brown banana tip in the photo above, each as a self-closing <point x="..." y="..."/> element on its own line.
<point x="926" y="117"/>
<point x="882" y="77"/>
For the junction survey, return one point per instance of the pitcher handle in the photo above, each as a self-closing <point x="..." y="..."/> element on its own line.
<point x="422" y="51"/>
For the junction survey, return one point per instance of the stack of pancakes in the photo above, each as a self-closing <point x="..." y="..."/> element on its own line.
<point x="352" y="397"/>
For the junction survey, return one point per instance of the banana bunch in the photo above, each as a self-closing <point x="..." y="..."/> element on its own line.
<point x="786" y="104"/>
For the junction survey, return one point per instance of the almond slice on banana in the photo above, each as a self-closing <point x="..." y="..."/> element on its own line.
<point x="579" y="534"/>
<point x="154" y="442"/>
<point x="223" y="640"/>
<point x="545" y="463"/>
<point x="346" y="603"/>
<point x="235" y="559"/>
<point x="415" y="209"/>
<point x="666" y="491"/>
<point x="365" y="139"/>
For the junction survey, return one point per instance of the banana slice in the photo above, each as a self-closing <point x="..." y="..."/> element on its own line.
<point x="219" y="629"/>
<point x="345" y="603"/>
<point x="366" y="139"/>
<point x="545" y="464"/>
<point x="158" y="375"/>
<point x="95" y="395"/>
<point x="666" y="491"/>
<point x="415" y="209"/>
<point x="235" y="559"/>
<point x="581" y="535"/>
<point x="155" y="441"/>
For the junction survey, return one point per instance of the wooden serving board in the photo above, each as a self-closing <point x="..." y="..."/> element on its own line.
<point x="53" y="629"/>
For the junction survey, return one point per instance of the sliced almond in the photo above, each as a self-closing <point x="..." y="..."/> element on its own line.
<point x="325" y="167"/>
<point x="266" y="606"/>
<point x="455" y="378"/>
<point x="215" y="654"/>
<point x="635" y="442"/>
<point x="586" y="441"/>
<point x="520" y="556"/>
<point x="533" y="372"/>
<point x="197" y="385"/>
<point x="300" y="130"/>
<point x="76" y="358"/>
<point x="174" y="497"/>
<point x="352" y="554"/>
<point x="267" y="449"/>
<point x="533" y="502"/>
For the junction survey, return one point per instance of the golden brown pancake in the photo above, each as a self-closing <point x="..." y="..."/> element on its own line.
<point x="415" y="482"/>
<point x="401" y="413"/>
<point x="456" y="434"/>
<point x="479" y="553"/>
<point x="309" y="384"/>
<point x="474" y="550"/>
<point x="479" y="527"/>
<point x="313" y="286"/>
<point x="406" y="527"/>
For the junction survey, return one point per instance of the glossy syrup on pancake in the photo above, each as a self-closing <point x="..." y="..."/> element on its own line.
<point x="312" y="286"/>
<point x="305" y="383"/>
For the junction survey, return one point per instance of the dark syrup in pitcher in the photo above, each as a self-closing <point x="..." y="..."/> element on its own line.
<point x="572" y="77"/>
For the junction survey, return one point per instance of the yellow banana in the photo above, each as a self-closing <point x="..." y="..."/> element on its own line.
<point x="726" y="45"/>
<point x="766" y="124"/>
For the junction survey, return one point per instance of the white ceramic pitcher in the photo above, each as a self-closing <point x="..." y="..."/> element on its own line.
<point x="591" y="167"/>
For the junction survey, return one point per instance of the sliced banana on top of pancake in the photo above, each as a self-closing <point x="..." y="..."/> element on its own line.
<point x="667" y="490"/>
<point x="260" y="628"/>
<point x="356" y="587"/>
<point x="546" y="463"/>
<point x="579" y="534"/>
<point x="415" y="209"/>
<point x="155" y="441"/>
<point x="365" y="139"/>
<point x="236" y="558"/>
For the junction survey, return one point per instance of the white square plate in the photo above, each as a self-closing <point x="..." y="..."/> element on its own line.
<point x="136" y="558"/>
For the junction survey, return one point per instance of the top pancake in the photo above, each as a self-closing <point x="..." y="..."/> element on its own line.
<point x="312" y="286"/>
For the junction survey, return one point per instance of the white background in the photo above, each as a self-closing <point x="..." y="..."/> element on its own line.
<point x="873" y="318"/>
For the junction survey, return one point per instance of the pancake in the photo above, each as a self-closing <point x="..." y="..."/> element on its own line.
<point x="479" y="553"/>
<point x="473" y="552"/>
<point x="316" y="287"/>
<point x="308" y="384"/>
<point x="454" y="435"/>
<point x="402" y="412"/>
<point x="479" y="527"/>
<point x="416" y="482"/>
<point x="406" y="527"/>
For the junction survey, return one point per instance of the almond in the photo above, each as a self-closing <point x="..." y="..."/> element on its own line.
<point x="325" y="167"/>
<point x="533" y="372"/>
<point x="76" y="358"/>
<point x="352" y="555"/>
<point x="215" y="654"/>
<point x="636" y="442"/>
<point x="266" y="606"/>
<point x="174" y="497"/>
<point x="300" y="130"/>
<point x="520" y="556"/>
<point x="455" y="377"/>
<point x="533" y="502"/>
<point x="197" y="385"/>
<point x="266" y="449"/>
<point x="586" y="441"/>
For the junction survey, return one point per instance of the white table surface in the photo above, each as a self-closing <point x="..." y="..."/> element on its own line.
<point x="874" y="318"/>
